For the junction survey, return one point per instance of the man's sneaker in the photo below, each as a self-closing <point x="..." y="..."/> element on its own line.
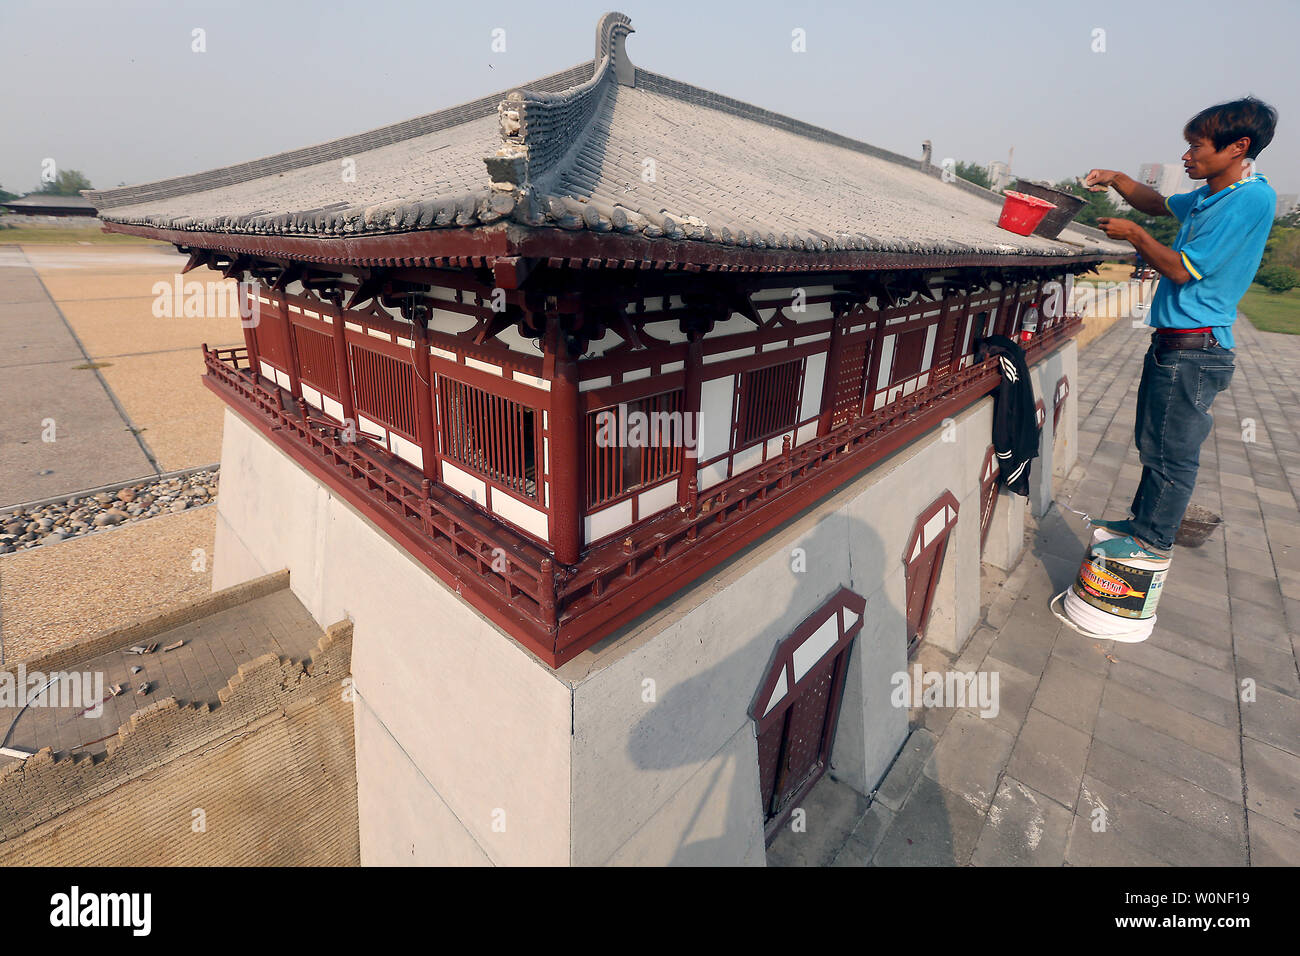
<point x="1121" y="527"/>
<point x="1127" y="548"/>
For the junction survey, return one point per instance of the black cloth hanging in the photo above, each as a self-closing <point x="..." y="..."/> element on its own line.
<point x="1015" y="419"/>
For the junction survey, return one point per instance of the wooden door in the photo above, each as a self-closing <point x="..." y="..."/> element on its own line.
<point x="850" y="379"/>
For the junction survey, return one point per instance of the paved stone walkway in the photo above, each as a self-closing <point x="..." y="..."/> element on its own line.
<point x="39" y="380"/>
<point x="1119" y="754"/>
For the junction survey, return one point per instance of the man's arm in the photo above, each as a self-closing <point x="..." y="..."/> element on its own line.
<point x="1161" y="258"/>
<point x="1141" y="197"/>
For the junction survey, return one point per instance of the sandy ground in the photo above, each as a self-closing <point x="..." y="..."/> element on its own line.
<point x="152" y="364"/>
<point x="74" y="588"/>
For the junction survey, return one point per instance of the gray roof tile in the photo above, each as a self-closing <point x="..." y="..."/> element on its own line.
<point x="570" y="151"/>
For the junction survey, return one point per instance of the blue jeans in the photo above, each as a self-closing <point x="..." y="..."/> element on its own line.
<point x="1173" y="418"/>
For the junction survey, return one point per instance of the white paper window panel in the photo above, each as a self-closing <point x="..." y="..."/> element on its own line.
<point x="774" y="445"/>
<point x="472" y="488"/>
<point x="601" y="382"/>
<point x="371" y="428"/>
<point x="806" y="433"/>
<point x="607" y="521"/>
<point x="712" y="475"/>
<point x="778" y="692"/>
<point x="407" y="450"/>
<point x="519" y="514"/>
<point x="657" y="499"/>
<point x="310" y="395"/>
<point x="886" y="362"/>
<point x="715" y="416"/>
<point x="283" y="379"/>
<point x="723" y="356"/>
<point x="483" y="366"/>
<point x="807" y="654"/>
<point x="747" y="459"/>
<point x="935" y="525"/>
<point x="814" y="375"/>
<point x="332" y="408"/>
<point x="930" y="335"/>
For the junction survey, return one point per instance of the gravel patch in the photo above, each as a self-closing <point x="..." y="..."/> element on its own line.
<point x="79" y="516"/>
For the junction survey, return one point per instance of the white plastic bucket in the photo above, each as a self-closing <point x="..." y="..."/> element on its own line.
<point x="1113" y="600"/>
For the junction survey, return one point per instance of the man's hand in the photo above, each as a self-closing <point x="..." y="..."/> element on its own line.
<point x="1165" y="260"/>
<point x="1099" y="180"/>
<point x="1122" y="229"/>
<point x="1140" y="197"/>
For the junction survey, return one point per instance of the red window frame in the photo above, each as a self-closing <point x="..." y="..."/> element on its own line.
<point x="615" y="472"/>
<point x="769" y="401"/>
<point x="923" y="562"/>
<point x="793" y="672"/>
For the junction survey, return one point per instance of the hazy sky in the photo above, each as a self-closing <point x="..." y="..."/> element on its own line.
<point x="114" y="89"/>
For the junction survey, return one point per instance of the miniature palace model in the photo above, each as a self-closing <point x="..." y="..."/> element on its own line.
<point x="447" y="312"/>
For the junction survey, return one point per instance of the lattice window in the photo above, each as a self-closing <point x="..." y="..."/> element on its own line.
<point x="797" y="705"/>
<point x="769" y="401"/>
<point x="988" y="493"/>
<point x="316" y="358"/>
<point x="923" y="560"/>
<point x="634" y="444"/>
<point x="1058" y="405"/>
<point x="909" y="351"/>
<point x="384" y="389"/>
<point x="491" y="435"/>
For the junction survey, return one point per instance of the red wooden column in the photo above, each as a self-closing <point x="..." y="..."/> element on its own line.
<point x="291" y="346"/>
<point x="873" y="369"/>
<point x="341" y="363"/>
<point x="566" y="437"/>
<point x="424" y="393"/>
<point x="687" y="488"/>
<point x="831" y="378"/>
<point x="250" y="331"/>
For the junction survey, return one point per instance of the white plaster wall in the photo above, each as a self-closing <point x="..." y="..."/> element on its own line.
<point x="1067" y="437"/>
<point x="483" y="726"/>
<point x="640" y="766"/>
<point x="457" y="723"/>
<point x="1064" y="361"/>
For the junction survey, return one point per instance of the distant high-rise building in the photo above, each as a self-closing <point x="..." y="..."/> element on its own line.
<point x="1167" y="179"/>
<point x="999" y="175"/>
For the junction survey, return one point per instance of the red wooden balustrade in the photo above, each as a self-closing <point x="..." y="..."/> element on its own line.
<point x="558" y="611"/>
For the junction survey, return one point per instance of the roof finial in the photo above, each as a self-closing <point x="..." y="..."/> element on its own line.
<point x="611" y="38"/>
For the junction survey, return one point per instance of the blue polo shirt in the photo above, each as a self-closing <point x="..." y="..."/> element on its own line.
<point x="1221" y="241"/>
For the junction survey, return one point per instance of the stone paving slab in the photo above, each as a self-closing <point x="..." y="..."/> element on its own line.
<point x="93" y="445"/>
<point x="1183" y="750"/>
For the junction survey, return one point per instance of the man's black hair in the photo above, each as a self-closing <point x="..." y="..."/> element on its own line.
<point x="1229" y="122"/>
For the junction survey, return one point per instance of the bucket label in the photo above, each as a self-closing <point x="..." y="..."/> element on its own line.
<point x="1119" y="589"/>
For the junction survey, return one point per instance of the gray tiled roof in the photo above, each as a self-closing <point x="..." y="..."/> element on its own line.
<point x="49" y="200"/>
<point x="607" y="147"/>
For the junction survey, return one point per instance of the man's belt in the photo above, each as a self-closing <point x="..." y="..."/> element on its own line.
<point x="1183" y="339"/>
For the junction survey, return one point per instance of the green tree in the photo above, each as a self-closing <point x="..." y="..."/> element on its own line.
<point x="6" y="196"/>
<point x="1096" y="205"/>
<point x="974" y="173"/>
<point x="1283" y="247"/>
<point x="1278" y="279"/>
<point x="69" y="182"/>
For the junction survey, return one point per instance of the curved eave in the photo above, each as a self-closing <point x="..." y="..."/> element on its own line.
<point x="581" y="249"/>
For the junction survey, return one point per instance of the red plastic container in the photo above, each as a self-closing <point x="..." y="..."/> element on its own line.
<point x="1021" y="214"/>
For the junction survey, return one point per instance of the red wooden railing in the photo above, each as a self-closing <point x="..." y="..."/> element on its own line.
<point x="560" y="611"/>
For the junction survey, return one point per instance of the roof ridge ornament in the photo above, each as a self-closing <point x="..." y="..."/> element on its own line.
<point x="611" y="41"/>
<point x="541" y="131"/>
